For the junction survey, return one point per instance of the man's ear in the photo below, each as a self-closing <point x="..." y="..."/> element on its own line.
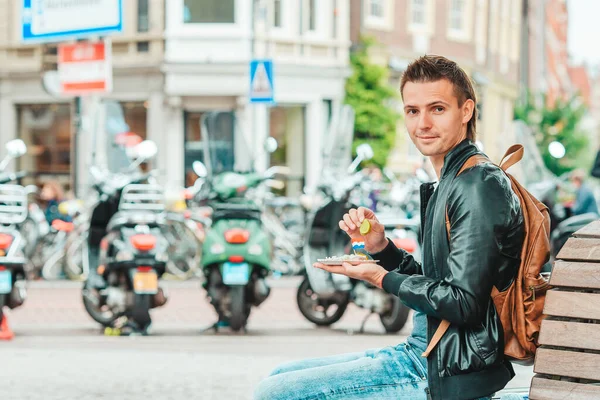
<point x="467" y="108"/>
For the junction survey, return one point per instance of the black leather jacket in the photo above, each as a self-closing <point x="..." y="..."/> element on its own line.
<point x="456" y="277"/>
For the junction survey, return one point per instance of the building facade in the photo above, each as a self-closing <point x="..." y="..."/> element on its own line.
<point x="208" y="48"/>
<point x="45" y="122"/>
<point x="177" y="60"/>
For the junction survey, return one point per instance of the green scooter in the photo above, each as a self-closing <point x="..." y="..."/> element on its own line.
<point x="236" y="253"/>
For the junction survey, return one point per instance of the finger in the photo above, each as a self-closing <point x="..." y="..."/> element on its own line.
<point x="354" y="216"/>
<point x="349" y="222"/>
<point x="364" y="213"/>
<point x="343" y="226"/>
<point x="361" y="214"/>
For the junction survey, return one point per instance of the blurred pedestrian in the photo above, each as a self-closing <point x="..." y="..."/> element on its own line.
<point x="585" y="202"/>
<point x="52" y="195"/>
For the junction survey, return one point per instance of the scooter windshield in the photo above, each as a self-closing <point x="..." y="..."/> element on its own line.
<point x="337" y="147"/>
<point x="225" y="148"/>
<point x="118" y="137"/>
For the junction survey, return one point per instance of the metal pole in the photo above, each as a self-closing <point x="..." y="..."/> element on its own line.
<point x="74" y="145"/>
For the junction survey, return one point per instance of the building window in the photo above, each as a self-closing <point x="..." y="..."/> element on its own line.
<point x="143" y="47"/>
<point x="277" y="13"/>
<point x="418" y="12"/>
<point x="457" y="12"/>
<point x="209" y="11"/>
<point x="46" y="129"/>
<point x="143" y="22"/>
<point x="312" y="16"/>
<point x="376" y="8"/>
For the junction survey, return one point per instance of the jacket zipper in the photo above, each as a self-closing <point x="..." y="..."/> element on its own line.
<point x="534" y="287"/>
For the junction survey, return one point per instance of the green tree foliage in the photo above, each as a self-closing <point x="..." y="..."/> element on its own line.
<point x="369" y="94"/>
<point x="557" y="122"/>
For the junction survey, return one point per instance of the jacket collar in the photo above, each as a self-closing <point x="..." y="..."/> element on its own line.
<point x="457" y="157"/>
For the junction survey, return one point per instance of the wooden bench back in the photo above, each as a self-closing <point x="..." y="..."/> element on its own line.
<point x="567" y="366"/>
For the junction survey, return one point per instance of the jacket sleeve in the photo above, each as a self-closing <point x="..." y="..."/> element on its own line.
<point x="394" y="259"/>
<point x="481" y="207"/>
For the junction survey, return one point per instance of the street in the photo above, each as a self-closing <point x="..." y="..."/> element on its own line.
<point x="60" y="353"/>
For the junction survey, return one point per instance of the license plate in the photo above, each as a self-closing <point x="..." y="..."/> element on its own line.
<point x="5" y="282"/>
<point x="236" y="273"/>
<point x="145" y="283"/>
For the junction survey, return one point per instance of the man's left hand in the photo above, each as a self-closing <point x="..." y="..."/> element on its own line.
<point x="368" y="272"/>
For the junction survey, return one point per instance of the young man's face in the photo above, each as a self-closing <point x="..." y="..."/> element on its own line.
<point x="433" y="118"/>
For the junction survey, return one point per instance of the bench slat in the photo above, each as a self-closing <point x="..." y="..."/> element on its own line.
<point x="572" y="304"/>
<point x="591" y="230"/>
<point x="572" y="364"/>
<point x="577" y="249"/>
<point x="576" y="274"/>
<point x="570" y="334"/>
<point x="550" y="389"/>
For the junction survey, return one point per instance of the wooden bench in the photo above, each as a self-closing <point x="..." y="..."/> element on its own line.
<point x="567" y="365"/>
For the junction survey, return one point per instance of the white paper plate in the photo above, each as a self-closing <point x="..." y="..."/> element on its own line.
<point x="339" y="262"/>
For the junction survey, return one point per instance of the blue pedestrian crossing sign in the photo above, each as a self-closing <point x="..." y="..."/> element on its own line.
<point x="261" y="81"/>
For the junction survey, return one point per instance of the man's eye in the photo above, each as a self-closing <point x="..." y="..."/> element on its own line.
<point x="439" y="109"/>
<point x="411" y="112"/>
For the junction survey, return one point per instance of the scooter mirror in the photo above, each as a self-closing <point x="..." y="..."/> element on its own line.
<point x="146" y="150"/>
<point x="365" y="151"/>
<point x="16" y="148"/>
<point x="271" y="144"/>
<point x="200" y="169"/>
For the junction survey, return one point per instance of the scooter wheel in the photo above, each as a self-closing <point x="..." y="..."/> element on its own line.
<point x="317" y="310"/>
<point x="239" y="314"/>
<point x="395" y="319"/>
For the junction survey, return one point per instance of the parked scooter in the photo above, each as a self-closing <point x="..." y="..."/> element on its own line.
<point x="13" y="213"/>
<point x="127" y="248"/>
<point x="322" y="296"/>
<point x="236" y="253"/>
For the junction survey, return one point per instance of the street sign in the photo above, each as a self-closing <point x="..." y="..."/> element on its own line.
<point x="58" y="20"/>
<point x="261" y="81"/>
<point x="85" y="68"/>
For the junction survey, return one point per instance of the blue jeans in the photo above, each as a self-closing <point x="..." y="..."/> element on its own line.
<point x="396" y="373"/>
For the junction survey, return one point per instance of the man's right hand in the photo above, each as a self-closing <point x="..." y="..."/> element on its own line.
<point x="375" y="240"/>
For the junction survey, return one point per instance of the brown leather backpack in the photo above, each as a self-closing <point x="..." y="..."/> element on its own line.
<point x="520" y="306"/>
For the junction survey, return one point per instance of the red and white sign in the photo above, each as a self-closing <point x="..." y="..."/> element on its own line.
<point x="85" y="68"/>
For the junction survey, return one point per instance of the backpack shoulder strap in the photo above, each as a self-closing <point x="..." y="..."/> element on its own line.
<point x="470" y="163"/>
<point x="513" y="155"/>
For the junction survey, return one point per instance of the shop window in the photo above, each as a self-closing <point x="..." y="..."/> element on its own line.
<point x="46" y="129"/>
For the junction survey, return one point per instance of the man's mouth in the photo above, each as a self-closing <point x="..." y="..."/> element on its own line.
<point x="424" y="137"/>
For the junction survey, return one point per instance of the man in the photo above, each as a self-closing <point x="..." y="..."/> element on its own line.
<point x="455" y="280"/>
<point x="585" y="202"/>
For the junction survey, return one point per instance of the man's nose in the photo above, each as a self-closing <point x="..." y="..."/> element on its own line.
<point x="424" y="121"/>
